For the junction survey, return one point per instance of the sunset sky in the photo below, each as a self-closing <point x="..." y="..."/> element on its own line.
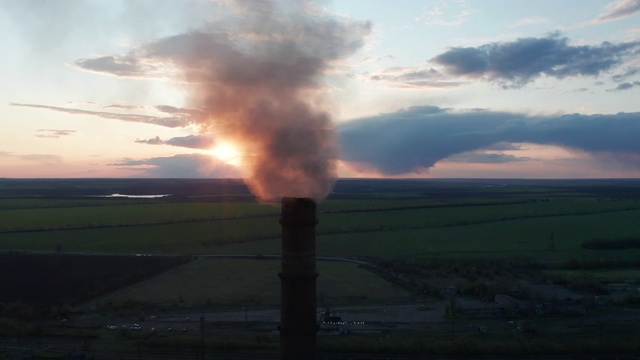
<point x="405" y="88"/>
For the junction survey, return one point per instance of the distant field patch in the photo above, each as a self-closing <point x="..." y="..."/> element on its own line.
<point x="241" y="228"/>
<point x="125" y="215"/>
<point x="381" y="218"/>
<point x="612" y="244"/>
<point x="631" y="276"/>
<point x="58" y="279"/>
<point x="229" y="282"/>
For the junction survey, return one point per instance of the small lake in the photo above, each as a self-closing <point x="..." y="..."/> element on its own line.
<point x="132" y="196"/>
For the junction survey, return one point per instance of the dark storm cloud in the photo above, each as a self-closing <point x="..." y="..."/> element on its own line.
<point x="167" y="121"/>
<point x="180" y="166"/>
<point x="53" y="133"/>
<point x="419" y="137"/>
<point x="515" y="63"/>
<point x="619" y="10"/>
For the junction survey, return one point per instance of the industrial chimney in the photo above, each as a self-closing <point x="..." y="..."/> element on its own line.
<point x="298" y="324"/>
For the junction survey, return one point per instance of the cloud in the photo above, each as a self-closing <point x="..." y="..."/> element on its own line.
<point x="375" y="59"/>
<point x="53" y="133"/>
<point x="45" y="159"/>
<point x="516" y="63"/>
<point x="419" y="137"/>
<point x="627" y="74"/>
<point x="124" y="107"/>
<point x="625" y="86"/>
<point x="183" y="112"/>
<point x="504" y="146"/>
<point x="479" y="157"/>
<point x="447" y="13"/>
<point x="417" y="77"/>
<point x="154" y="141"/>
<point x="121" y="66"/>
<point x="619" y="10"/>
<point x="531" y="20"/>
<point x="190" y="141"/>
<point x="181" y="166"/>
<point x="168" y="121"/>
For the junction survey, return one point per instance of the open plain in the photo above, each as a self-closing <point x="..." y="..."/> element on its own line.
<point x="410" y="266"/>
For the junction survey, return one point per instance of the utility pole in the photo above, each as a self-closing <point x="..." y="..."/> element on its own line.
<point x="552" y="243"/>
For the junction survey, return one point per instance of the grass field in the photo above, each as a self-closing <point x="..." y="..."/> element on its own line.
<point x="394" y="228"/>
<point x="228" y="282"/>
<point x="51" y="218"/>
<point x="382" y="218"/>
<point x="479" y="236"/>
<point x="628" y="275"/>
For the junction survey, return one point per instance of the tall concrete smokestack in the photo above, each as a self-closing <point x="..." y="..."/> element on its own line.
<point x="298" y="324"/>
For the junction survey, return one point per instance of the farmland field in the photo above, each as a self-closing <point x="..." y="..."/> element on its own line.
<point x="253" y="282"/>
<point x="409" y="241"/>
<point x="545" y="220"/>
<point x="382" y="218"/>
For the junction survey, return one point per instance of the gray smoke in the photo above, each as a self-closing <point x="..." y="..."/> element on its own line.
<point x="256" y="76"/>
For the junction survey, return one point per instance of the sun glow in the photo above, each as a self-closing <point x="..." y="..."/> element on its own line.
<point x="227" y="153"/>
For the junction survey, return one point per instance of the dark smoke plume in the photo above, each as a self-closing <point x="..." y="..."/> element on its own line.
<point x="256" y="73"/>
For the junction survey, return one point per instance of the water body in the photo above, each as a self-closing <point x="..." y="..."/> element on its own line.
<point x="132" y="196"/>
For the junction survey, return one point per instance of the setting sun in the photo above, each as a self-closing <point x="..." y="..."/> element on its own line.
<point x="228" y="153"/>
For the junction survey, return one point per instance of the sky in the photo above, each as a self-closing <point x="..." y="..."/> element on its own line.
<point x="278" y="91"/>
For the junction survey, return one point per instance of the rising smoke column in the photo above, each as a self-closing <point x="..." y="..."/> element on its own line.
<point x="257" y="76"/>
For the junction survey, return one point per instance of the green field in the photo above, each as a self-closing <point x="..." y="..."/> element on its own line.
<point x="393" y="219"/>
<point x="107" y="215"/>
<point x="255" y="282"/>
<point x="354" y="227"/>
<point x="419" y="238"/>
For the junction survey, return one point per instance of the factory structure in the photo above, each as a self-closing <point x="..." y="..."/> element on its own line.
<point x="298" y="324"/>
